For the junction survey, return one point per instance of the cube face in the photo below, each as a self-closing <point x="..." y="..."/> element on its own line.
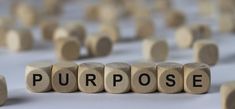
<point x="38" y="80"/>
<point x="117" y="78"/>
<point x="3" y="90"/>
<point x="227" y="91"/>
<point x="206" y="52"/>
<point x="145" y="28"/>
<point x="144" y="81"/>
<point x="170" y="81"/>
<point x="197" y="78"/>
<point x="91" y="77"/>
<point x="197" y="82"/>
<point x="64" y="80"/>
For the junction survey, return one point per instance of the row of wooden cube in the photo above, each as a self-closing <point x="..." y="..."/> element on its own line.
<point x="118" y="77"/>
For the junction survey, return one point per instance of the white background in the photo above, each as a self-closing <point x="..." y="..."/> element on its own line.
<point x="12" y="66"/>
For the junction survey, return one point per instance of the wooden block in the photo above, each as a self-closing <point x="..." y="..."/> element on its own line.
<point x="163" y="5"/>
<point x="52" y="7"/>
<point x="27" y="14"/>
<point x="206" y="7"/>
<point x="91" y="77"/>
<point x="73" y="29"/>
<point x="227" y="92"/>
<point x="226" y="23"/>
<point x="155" y="49"/>
<point x="111" y="30"/>
<point x="197" y="78"/>
<point x="38" y="76"/>
<point x="109" y="13"/>
<point x="117" y="78"/>
<point x="143" y="77"/>
<point x="99" y="45"/>
<point x="175" y="18"/>
<point x="3" y="90"/>
<point x="67" y="48"/>
<point x="145" y="28"/>
<point x="19" y="39"/>
<point x="170" y="77"/>
<point x="48" y="28"/>
<point x="206" y="51"/>
<point x="92" y="12"/>
<point x="186" y="36"/>
<point x="141" y="12"/>
<point x="64" y="77"/>
<point x="5" y="25"/>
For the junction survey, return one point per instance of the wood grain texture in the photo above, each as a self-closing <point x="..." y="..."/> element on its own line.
<point x="117" y="78"/>
<point x="170" y="77"/>
<point x="197" y="78"/>
<point x="38" y="76"/>
<point x="91" y="77"/>
<point x="143" y="77"/>
<point x="64" y="77"/>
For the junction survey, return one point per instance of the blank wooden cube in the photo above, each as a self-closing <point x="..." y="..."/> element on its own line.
<point x="111" y="30"/>
<point x="170" y="77"/>
<point x="64" y="77"/>
<point x="145" y="28"/>
<point x="67" y="48"/>
<point x="206" y="7"/>
<point x="206" y="51"/>
<point x="91" y="77"/>
<point x="108" y="13"/>
<point x="3" y="90"/>
<point x="19" y="39"/>
<point x="48" y="28"/>
<point x="5" y="25"/>
<point x="175" y="19"/>
<point x="72" y="29"/>
<point x="197" y="78"/>
<point x="52" y="7"/>
<point x="143" y="77"/>
<point x="227" y="91"/>
<point x="163" y="5"/>
<point x="27" y="14"/>
<point x="38" y="76"/>
<point x="141" y="12"/>
<point x="92" y="12"/>
<point x="226" y="23"/>
<point x="99" y="45"/>
<point x="186" y="36"/>
<point x="155" y="49"/>
<point x="117" y="78"/>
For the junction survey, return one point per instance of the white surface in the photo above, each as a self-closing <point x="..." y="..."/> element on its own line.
<point x="12" y="66"/>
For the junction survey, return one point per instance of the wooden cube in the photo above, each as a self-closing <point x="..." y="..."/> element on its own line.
<point x="52" y="7"/>
<point x="38" y="76"/>
<point x="64" y="77"/>
<point x="91" y="77"/>
<point x="186" y="36"/>
<point x="92" y="12"/>
<point x="227" y="91"/>
<point x="72" y="29"/>
<point x="175" y="18"/>
<point x="170" y="77"/>
<point x="117" y="78"/>
<point x="5" y="25"/>
<point x="108" y="13"/>
<point x="226" y="23"/>
<point x="145" y="28"/>
<point x="67" y="48"/>
<point x="155" y="49"/>
<point x="206" y="51"/>
<point x="99" y="45"/>
<point x="111" y="30"/>
<point x="206" y="7"/>
<point x="143" y="77"/>
<point x="3" y="90"/>
<point x="197" y="78"/>
<point x="27" y="14"/>
<point x="48" y="28"/>
<point x="163" y="5"/>
<point x="20" y="39"/>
